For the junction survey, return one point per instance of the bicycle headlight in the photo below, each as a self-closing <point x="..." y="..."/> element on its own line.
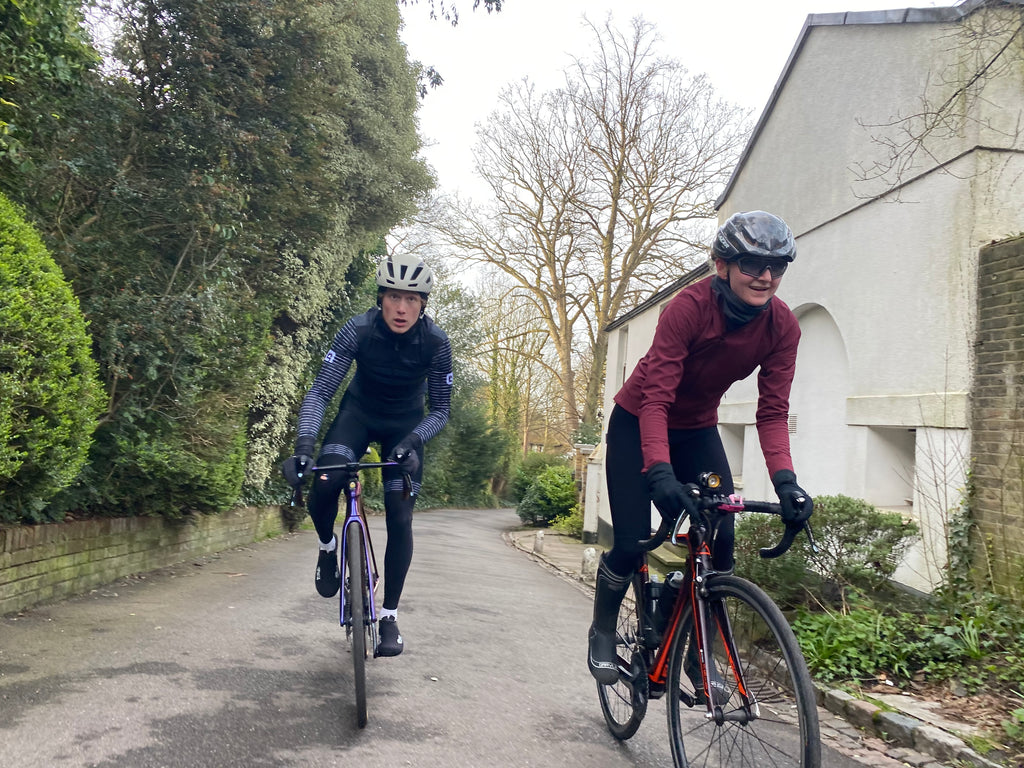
<point x="711" y="481"/>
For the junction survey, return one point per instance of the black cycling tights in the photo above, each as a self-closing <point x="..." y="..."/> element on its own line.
<point x="692" y="451"/>
<point x="346" y="440"/>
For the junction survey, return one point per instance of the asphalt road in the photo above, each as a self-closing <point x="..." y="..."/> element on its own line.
<point x="235" y="660"/>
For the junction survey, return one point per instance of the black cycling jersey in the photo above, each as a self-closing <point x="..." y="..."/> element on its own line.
<point x="394" y="371"/>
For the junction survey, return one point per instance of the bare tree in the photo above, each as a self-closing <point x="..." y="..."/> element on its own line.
<point x="603" y="191"/>
<point x="986" y="46"/>
<point x="513" y="359"/>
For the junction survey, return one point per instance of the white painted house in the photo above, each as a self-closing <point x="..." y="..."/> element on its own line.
<point x="884" y="283"/>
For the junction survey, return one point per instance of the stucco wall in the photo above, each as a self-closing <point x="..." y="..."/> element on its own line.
<point x="885" y="281"/>
<point x="998" y="504"/>
<point x="39" y="563"/>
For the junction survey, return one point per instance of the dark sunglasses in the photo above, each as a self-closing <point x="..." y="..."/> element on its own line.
<point x="754" y="266"/>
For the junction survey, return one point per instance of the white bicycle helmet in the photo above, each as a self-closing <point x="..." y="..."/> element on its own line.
<point x="405" y="272"/>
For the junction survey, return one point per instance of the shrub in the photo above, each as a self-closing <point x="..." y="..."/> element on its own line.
<point x="531" y="466"/>
<point x="551" y="495"/>
<point x="858" y="545"/>
<point x="858" y="548"/>
<point x="49" y="395"/>
<point x="571" y="524"/>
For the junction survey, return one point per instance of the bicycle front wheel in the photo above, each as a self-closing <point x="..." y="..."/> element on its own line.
<point x="358" y="592"/>
<point x="776" y="722"/>
<point x="624" y="703"/>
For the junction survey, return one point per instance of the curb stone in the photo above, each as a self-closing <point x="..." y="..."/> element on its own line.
<point x="910" y="740"/>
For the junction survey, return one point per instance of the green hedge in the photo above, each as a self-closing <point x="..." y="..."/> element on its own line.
<point x="551" y="496"/>
<point x="49" y="394"/>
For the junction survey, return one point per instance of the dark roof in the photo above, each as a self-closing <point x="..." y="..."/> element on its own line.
<point x="851" y="18"/>
<point x="690" y="277"/>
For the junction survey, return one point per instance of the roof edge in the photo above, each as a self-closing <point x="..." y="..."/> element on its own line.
<point x="668" y="290"/>
<point x="950" y="13"/>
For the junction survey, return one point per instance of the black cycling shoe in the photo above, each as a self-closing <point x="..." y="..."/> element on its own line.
<point x="391" y="643"/>
<point x="327" y="579"/>
<point x="601" y="658"/>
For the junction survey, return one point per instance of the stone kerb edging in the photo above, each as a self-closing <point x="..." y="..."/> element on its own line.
<point x="900" y="730"/>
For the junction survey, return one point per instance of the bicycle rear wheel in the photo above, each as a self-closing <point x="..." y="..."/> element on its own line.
<point x="358" y="593"/>
<point x="624" y="703"/>
<point x="778" y="724"/>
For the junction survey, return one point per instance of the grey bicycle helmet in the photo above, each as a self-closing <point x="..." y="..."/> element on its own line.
<point x="756" y="233"/>
<point x="405" y="272"/>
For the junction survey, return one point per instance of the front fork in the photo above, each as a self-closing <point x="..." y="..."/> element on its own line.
<point x="355" y="514"/>
<point x="705" y="615"/>
<point x="713" y="617"/>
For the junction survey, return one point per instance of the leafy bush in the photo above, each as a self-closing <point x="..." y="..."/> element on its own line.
<point x="858" y="545"/>
<point x="49" y="395"/>
<point x="552" y="495"/>
<point x="532" y="465"/>
<point x="787" y="578"/>
<point x="571" y="524"/>
<point x="858" y="548"/>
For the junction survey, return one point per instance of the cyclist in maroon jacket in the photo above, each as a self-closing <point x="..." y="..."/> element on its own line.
<point x="663" y="430"/>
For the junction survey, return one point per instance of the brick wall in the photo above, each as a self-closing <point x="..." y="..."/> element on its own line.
<point x="998" y="415"/>
<point x="48" y="562"/>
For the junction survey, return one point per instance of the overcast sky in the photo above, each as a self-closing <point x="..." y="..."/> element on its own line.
<point x="741" y="44"/>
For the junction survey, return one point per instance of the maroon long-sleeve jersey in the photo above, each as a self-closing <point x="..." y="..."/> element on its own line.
<point x="693" y="360"/>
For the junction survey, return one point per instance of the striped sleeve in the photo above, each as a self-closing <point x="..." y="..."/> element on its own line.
<point x="439" y="389"/>
<point x="335" y="366"/>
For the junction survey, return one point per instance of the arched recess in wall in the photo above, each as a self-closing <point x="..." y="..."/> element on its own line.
<point x="817" y="422"/>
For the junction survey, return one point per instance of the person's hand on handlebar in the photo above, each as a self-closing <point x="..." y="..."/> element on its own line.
<point x="668" y="494"/>
<point x="294" y="469"/>
<point x="797" y="504"/>
<point x="406" y="453"/>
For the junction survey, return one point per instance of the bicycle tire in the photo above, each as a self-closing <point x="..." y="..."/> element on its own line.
<point x="785" y="730"/>
<point x="624" y="703"/>
<point x="355" y="564"/>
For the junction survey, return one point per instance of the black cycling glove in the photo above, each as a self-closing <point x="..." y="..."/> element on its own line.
<point x="797" y="504"/>
<point x="668" y="494"/>
<point x="406" y="453"/>
<point x="294" y="469"/>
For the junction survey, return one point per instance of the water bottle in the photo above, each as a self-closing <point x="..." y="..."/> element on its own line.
<point x="654" y="588"/>
<point x="667" y="600"/>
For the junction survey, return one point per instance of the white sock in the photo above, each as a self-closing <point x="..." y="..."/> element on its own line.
<point x="331" y="545"/>
<point x="387" y="613"/>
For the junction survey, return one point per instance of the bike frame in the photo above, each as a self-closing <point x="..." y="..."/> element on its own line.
<point x="354" y="514"/>
<point x="699" y="571"/>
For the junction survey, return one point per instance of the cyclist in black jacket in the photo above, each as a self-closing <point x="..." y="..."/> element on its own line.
<point x="400" y="355"/>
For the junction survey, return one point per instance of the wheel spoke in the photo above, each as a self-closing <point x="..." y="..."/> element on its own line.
<point x="624" y="703"/>
<point x="778" y="727"/>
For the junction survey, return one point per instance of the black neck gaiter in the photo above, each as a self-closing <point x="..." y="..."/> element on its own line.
<point x="737" y="312"/>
